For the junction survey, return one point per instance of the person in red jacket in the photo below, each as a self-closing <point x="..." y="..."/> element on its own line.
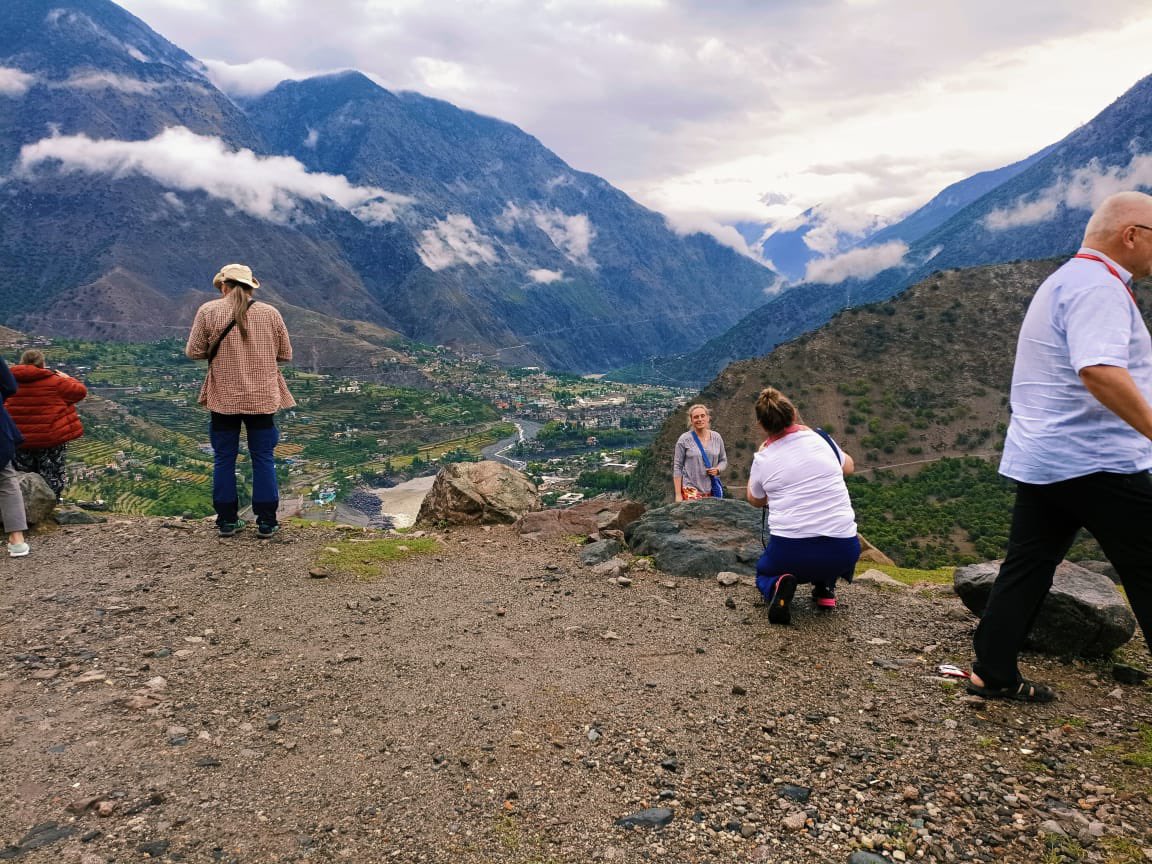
<point x="44" y="410"/>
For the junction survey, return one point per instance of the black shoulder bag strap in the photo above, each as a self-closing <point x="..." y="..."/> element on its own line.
<point x="831" y="443"/>
<point x="214" y="349"/>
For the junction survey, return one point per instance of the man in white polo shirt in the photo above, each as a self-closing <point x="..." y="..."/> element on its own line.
<point x="1079" y="442"/>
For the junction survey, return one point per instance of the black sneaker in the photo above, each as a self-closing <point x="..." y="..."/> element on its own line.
<point x="780" y="609"/>
<point x="227" y="529"/>
<point x="824" y="597"/>
<point x="264" y="532"/>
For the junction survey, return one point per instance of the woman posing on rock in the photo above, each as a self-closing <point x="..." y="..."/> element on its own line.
<point x="799" y="474"/>
<point x="44" y="410"/>
<point x="699" y="458"/>
<point x="242" y="340"/>
<point x="11" y="499"/>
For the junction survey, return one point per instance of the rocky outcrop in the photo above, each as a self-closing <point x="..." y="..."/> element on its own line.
<point x="39" y="499"/>
<point x="871" y="554"/>
<point x="587" y="517"/>
<point x="1083" y="615"/>
<point x="470" y="493"/>
<point x="699" y="538"/>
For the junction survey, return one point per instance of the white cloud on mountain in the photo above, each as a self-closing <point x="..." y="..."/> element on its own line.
<point x="269" y="187"/>
<point x="253" y="78"/>
<point x="15" y="82"/>
<point x="686" y="224"/>
<point x="455" y="240"/>
<point x="1083" y="189"/>
<point x="545" y="277"/>
<point x="111" y="81"/>
<point x="862" y="263"/>
<point x="572" y="234"/>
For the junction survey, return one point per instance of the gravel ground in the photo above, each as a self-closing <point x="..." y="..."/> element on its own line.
<point x="168" y="694"/>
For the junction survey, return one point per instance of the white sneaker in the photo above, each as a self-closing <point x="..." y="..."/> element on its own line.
<point x="18" y="550"/>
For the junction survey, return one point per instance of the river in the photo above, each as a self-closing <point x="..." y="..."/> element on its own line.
<point x="525" y="431"/>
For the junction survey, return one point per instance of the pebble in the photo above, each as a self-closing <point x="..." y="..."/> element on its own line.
<point x="730" y="602"/>
<point x="93" y="677"/>
<point x="610" y="635"/>
<point x="737" y="690"/>
<point x="105" y="809"/>
<point x="623" y="581"/>
<point x="796" y="821"/>
<point x="727" y="580"/>
<point x="799" y="794"/>
<point x="1052" y="827"/>
<point x="653" y="817"/>
<point x="318" y="573"/>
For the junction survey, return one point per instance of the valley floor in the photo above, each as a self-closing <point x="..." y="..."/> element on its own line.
<point x="490" y="700"/>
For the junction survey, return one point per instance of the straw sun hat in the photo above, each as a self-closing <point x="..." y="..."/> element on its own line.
<point x="241" y="273"/>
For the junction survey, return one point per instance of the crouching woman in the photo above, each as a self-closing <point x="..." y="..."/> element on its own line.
<point x="798" y="473"/>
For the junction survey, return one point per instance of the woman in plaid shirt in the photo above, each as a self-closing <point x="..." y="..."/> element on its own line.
<point x="242" y="340"/>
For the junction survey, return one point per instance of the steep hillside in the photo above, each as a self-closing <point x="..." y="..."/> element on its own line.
<point x="130" y="178"/>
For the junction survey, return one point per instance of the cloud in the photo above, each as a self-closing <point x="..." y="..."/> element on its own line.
<point x="1083" y="189"/>
<point x="686" y="224"/>
<point x="254" y="78"/>
<point x="545" y="277"/>
<point x="455" y="240"/>
<point x="111" y="81"/>
<point x="571" y="234"/>
<point x="15" y="82"/>
<point x="312" y="138"/>
<point x="862" y="263"/>
<point x="269" y="187"/>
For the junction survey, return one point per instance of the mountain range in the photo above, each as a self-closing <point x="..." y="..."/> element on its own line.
<point x="129" y="178"/>
<point x="1032" y="209"/>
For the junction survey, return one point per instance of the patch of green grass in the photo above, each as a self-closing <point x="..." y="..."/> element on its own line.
<point x="1062" y="850"/>
<point x="1074" y="722"/>
<point x="1121" y="850"/>
<point x="910" y="575"/>
<point x="987" y="741"/>
<point x="363" y="558"/>
<point x="1142" y="758"/>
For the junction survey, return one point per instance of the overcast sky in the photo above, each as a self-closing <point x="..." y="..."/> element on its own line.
<point x="717" y="109"/>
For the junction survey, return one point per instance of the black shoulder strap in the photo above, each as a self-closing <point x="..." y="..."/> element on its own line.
<point x="214" y="349"/>
<point x="831" y="443"/>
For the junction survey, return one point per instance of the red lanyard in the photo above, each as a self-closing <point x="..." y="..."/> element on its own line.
<point x="793" y="428"/>
<point x="1111" y="270"/>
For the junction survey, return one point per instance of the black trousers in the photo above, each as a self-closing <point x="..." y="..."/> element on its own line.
<point x="1115" y="508"/>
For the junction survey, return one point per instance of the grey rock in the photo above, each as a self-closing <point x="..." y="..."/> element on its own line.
<point x="1052" y="828"/>
<point x="1083" y="615"/>
<point x="612" y="569"/>
<point x="727" y="580"/>
<point x="653" y="817"/>
<point x="699" y="538"/>
<point x="1128" y="674"/>
<point x="471" y="493"/>
<point x="799" y="794"/>
<point x="862" y="857"/>
<point x="599" y="552"/>
<point x="39" y="499"/>
<point x="76" y="516"/>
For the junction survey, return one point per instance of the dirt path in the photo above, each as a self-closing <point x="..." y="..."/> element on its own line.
<point x="472" y="705"/>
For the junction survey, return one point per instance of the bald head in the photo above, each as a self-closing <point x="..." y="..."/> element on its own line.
<point x="1115" y="230"/>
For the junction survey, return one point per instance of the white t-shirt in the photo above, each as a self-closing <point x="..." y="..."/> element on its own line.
<point x="801" y="477"/>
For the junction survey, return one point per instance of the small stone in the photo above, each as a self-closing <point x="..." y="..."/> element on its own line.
<point x="157" y="684"/>
<point x="861" y="857"/>
<point x="93" y="677"/>
<point x="318" y="573"/>
<point x="796" y="821"/>
<point x="911" y="793"/>
<point x="898" y="855"/>
<point x="1128" y="674"/>
<point x="623" y="581"/>
<point x="44" y="674"/>
<point x="212" y="762"/>
<point x="1053" y="828"/>
<point x="748" y="832"/>
<point x="272" y="721"/>
<point x="667" y="583"/>
<point x="501" y="612"/>
<point x="609" y="635"/>
<point x="1118" y="693"/>
<point x="594" y="735"/>
<point x="950" y="724"/>
<point x="105" y="809"/>
<point x="653" y="817"/>
<point x="737" y="690"/>
<point x="727" y="579"/>
<point x="730" y="602"/>
<point x="799" y="794"/>
<point x="670" y="764"/>
<point x="154" y="848"/>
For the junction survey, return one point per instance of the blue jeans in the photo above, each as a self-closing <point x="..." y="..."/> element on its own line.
<point x="819" y="560"/>
<point x="224" y="433"/>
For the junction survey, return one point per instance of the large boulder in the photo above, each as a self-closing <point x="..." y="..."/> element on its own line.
<point x="1082" y="616"/>
<point x="871" y="554"/>
<point x="699" y="538"/>
<point x="470" y="493"/>
<point x="39" y="499"/>
<point x="587" y="517"/>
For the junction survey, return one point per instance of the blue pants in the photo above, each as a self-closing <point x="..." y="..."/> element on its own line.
<point x="818" y="560"/>
<point x="224" y="433"/>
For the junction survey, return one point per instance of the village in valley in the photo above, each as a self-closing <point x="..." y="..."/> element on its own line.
<point x="146" y="449"/>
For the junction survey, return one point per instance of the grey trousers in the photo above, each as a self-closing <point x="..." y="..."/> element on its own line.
<point x="11" y="501"/>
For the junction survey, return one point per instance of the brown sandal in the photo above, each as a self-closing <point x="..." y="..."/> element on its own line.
<point x="1025" y="691"/>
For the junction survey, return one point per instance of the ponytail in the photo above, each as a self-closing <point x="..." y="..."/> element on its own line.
<point x="775" y="411"/>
